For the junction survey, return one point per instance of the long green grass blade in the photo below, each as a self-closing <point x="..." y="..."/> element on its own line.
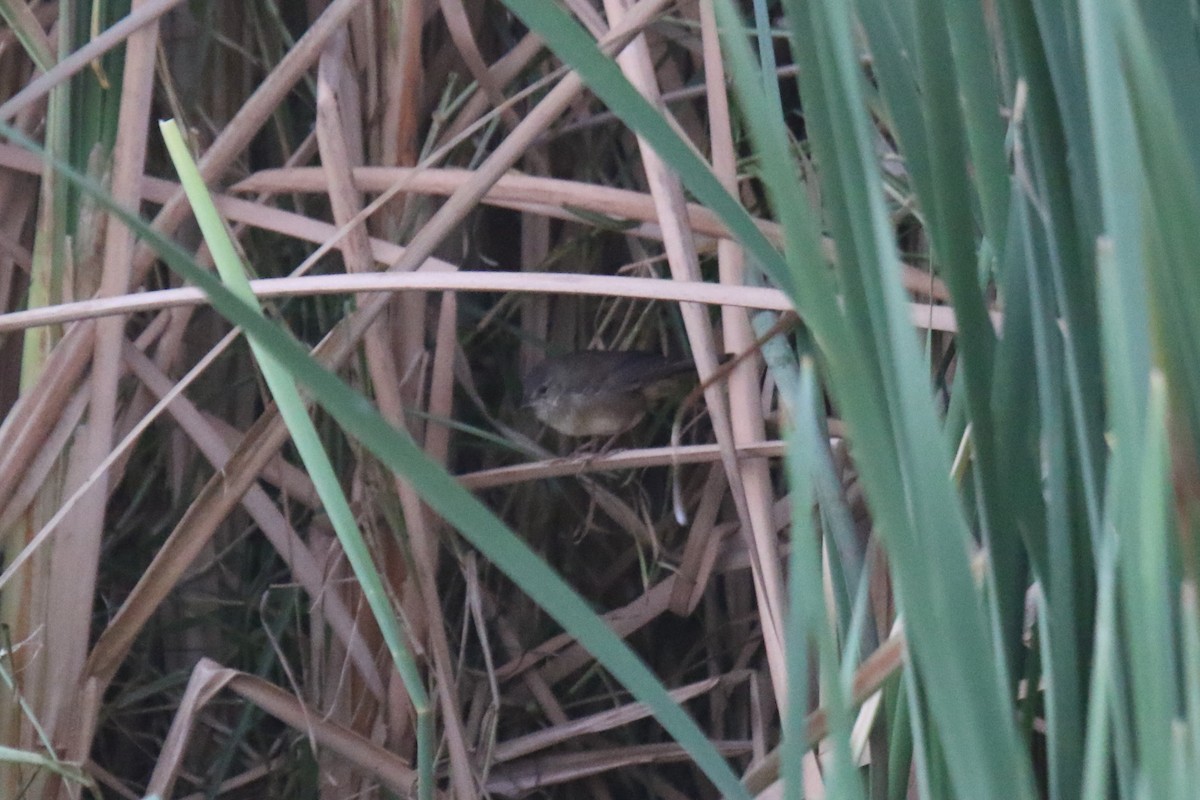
<point x="312" y="452"/>
<point x="914" y="505"/>
<point x="808" y="618"/>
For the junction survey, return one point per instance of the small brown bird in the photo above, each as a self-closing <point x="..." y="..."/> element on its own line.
<point x="596" y="392"/>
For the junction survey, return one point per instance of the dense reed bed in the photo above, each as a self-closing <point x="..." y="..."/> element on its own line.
<point x="275" y="524"/>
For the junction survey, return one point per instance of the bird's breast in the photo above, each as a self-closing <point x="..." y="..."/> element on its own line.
<point x="591" y="415"/>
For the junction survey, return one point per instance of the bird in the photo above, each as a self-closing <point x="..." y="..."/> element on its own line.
<point x="599" y="392"/>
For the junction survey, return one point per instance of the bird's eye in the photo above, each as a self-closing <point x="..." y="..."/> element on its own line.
<point x="541" y="390"/>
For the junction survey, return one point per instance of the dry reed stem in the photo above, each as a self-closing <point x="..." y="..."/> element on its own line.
<point x="934" y="318"/>
<point x="76" y="551"/>
<point x="750" y="487"/>
<point x="208" y="678"/>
